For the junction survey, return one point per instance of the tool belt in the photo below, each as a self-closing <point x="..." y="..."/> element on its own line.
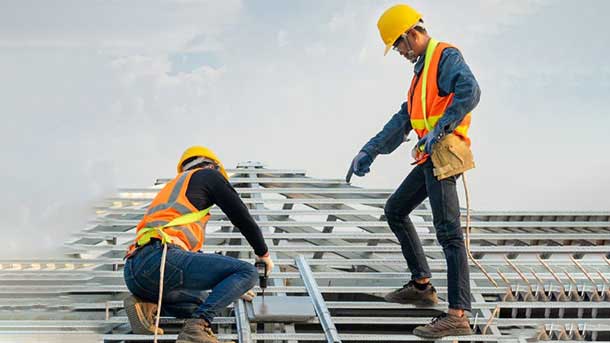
<point x="451" y="156"/>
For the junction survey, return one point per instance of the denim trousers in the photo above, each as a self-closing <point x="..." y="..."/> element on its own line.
<point x="188" y="278"/>
<point x="416" y="187"/>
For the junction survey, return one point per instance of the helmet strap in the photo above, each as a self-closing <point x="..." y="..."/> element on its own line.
<point x="197" y="161"/>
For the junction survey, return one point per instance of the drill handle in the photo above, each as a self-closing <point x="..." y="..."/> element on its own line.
<point x="261" y="268"/>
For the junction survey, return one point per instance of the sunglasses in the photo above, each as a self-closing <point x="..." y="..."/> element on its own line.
<point x="396" y="43"/>
<point x="400" y="39"/>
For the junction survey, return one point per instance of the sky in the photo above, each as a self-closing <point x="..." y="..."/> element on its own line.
<point x="97" y="95"/>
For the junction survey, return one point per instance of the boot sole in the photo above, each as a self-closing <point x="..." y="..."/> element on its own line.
<point x="134" y="313"/>
<point x="413" y="302"/>
<point x="456" y="332"/>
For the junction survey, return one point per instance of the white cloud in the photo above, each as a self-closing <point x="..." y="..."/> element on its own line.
<point x="282" y="38"/>
<point x="94" y="100"/>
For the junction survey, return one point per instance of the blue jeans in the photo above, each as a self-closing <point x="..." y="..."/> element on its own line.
<point x="417" y="186"/>
<point x="188" y="276"/>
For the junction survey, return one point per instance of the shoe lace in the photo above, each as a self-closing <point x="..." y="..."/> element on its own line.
<point x="437" y="318"/>
<point x="151" y="310"/>
<point x="209" y="331"/>
<point x="409" y="284"/>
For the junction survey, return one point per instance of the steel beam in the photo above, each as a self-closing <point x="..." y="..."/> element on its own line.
<point x="474" y="224"/>
<point x="326" y="320"/>
<point x="243" y="325"/>
<point x="497" y="249"/>
<point x="365" y="236"/>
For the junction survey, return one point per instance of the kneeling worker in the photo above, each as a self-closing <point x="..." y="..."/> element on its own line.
<point x="178" y="216"/>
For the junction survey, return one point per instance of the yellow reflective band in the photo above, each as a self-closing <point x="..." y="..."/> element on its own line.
<point x="462" y="129"/>
<point x="147" y="233"/>
<point x="429" y="51"/>
<point x="420" y="124"/>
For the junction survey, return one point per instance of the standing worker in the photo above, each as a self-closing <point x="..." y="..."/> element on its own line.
<point x="442" y="94"/>
<point x="177" y="217"/>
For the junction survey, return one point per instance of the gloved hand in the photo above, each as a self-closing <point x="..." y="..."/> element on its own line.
<point x="361" y="164"/>
<point x="268" y="262"/>
<point x="426" y="143"/>
<point x="248" y="296"/>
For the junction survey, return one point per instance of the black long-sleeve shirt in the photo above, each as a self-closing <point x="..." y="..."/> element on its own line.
<point x="208" y="187"/>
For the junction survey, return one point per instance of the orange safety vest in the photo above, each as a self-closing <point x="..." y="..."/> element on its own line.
<point x="170" y="204"/>
<point x="425" y="104"/>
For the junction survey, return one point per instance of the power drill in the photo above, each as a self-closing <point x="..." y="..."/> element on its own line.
<point x="261" y="268"/>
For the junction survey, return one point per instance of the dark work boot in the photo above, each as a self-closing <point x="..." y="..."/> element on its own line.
<point x="196" y="330"/>
<point x="141" y="315"/>
<point x="444" y="325"/>
<point x="410" y="294"/>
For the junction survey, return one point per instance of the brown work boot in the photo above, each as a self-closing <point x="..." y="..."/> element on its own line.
<point x="410" y="294"/>
<point x="196" y="330"/>
<point x="141" y="315"/>
<point x="444" y="325"/>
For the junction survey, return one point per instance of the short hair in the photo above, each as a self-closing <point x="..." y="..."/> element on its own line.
<point x="419" y="27"/>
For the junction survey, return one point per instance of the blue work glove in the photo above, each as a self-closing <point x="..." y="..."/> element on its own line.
<point x="426" y="143"/>
<point x="361" y="164"/>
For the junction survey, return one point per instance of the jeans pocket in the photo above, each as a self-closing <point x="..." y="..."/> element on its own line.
<point x="173" y="276"/>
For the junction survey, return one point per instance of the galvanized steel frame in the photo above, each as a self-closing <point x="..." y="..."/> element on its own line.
<point x="92" y="273"/>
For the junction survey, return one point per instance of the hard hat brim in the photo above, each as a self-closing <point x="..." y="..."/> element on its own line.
<point x="387" y="49"/>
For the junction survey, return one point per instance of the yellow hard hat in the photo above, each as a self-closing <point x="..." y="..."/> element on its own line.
<point x="395" y="21"/>
<point x="199" y="151"/>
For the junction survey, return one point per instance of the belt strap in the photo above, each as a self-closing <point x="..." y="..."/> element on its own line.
<point x="146" y="233"/>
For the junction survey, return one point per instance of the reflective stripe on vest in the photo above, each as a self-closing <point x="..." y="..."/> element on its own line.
<point x="171" y="202"/>
<point x="424" y="86"/>
<point x="425" y="104"/>
<point x="145" y="234"/>
<point x="172" y="218"/>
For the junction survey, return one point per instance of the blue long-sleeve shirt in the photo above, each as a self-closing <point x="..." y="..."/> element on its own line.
<point x="454" y="76"/>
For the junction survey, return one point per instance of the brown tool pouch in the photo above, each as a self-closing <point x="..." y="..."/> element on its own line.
<point x="451" y="156"/>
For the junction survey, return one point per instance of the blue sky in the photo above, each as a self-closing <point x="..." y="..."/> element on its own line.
<point x="105" y="94"/>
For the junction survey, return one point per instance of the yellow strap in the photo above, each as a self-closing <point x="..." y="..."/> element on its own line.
<point x="429" y="52"/>
<point x="147" y="233"/>
<point x="188" y="218"/>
